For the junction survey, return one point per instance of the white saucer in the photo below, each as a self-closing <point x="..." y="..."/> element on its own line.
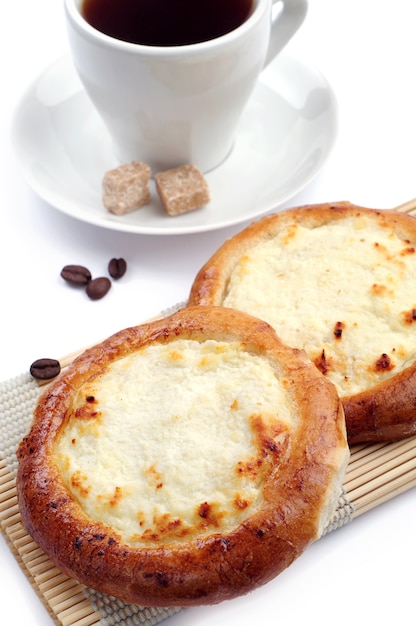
<point x="284" y="138"/>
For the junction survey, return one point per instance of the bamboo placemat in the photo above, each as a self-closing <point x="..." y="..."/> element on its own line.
<point x="375" y="474"/>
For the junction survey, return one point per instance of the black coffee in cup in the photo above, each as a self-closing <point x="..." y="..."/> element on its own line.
<point x="166" y="22"/>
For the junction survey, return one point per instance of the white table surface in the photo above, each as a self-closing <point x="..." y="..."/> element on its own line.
<point x="362" y="573"/>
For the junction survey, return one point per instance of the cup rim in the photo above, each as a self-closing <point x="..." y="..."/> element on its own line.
<point x="83" y="27"/>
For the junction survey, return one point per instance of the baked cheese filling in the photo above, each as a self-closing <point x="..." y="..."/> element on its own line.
<point x="345" y="292"/>
<point x="174" y="441"/>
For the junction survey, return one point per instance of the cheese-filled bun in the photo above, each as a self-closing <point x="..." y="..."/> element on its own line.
<point x="185" y="461"/>
<point x="337" y="280"/>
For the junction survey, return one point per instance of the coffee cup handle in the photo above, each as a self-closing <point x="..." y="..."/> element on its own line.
<point x="284" y="24"/>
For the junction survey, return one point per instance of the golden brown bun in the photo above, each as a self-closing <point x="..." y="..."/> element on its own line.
<point x="346" y="276"/>
<point x="279" y="493"/>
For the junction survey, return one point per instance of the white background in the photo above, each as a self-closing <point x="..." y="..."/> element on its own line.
<point x="362" y="573"/>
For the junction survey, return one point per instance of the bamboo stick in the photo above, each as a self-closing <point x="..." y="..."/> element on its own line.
<point x="385" y="492"/>
<point x="360" y="457"/>
<point x="386" y="471"/>
<point x="381" y="461"/>
<point x="407" y="207"/>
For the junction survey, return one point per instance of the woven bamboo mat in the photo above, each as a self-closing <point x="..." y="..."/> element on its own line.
<point x="376" y="473"/>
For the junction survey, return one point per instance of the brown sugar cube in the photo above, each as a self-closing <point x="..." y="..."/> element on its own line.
<point x="182" y="189"/>
<point x="126" y="188"/>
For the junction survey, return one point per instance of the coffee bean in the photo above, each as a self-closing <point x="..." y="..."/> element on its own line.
<point x="98" y="287"/>
<point x="76" y="275"/>
<point x="117" y="268"/>
<point x="44" y="369"/>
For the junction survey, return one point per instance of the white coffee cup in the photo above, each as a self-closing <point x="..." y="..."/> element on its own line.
<point x="174" y="105"/>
